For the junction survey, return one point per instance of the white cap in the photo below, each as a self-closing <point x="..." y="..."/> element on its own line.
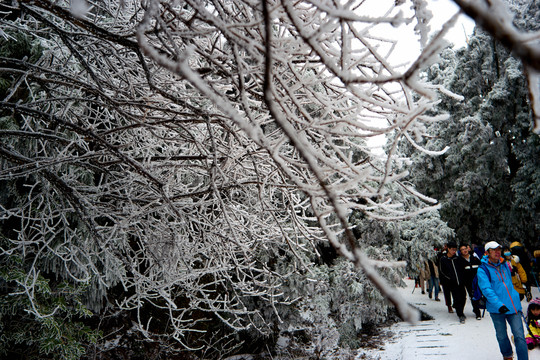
<point x="492" y="245"/>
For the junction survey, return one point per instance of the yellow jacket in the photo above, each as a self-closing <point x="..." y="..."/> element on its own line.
<point x="518" y="277"/>
<point x="533" y="331"/>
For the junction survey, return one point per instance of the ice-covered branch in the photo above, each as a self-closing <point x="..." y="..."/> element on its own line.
<point x="175" y="152"/>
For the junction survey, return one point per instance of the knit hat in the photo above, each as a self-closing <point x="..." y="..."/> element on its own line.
<point x="535" y="301"/>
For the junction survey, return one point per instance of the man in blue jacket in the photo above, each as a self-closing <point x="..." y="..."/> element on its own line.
<point x="503" y="304"/>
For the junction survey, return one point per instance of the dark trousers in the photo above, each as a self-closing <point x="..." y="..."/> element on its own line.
<point x="447" y="294"/>
<point x="455" y="296"/>
<point x="476" y="309"/>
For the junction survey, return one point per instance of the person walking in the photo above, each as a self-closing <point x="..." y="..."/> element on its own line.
<point x="478" y="251"/>
<point x="519" y="276"/>
<point x="502" y="301"/>
<point x="470" y="265"/>
<point x="516" y="248"/>
<point x="446" y="290"/>
<point x="454" y="289"/>
<point x="432" y="274"/>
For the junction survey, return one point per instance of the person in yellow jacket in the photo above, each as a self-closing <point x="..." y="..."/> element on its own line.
<point x="533" y="324"/>
<point x="525" y="260"/>
<point x="519" y="276"/>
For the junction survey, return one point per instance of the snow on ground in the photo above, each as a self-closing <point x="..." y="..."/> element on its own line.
<point x="444" y="337"/>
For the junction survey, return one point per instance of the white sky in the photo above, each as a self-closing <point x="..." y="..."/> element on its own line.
<point x="408" y="47"/>
<point x="442" y="11"/>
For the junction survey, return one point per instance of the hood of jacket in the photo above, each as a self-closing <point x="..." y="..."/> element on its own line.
<point x="485" y="260"/>
<point x="515" y="244"/>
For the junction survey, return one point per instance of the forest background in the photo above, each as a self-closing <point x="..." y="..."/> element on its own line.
<point x="193" y="179"/>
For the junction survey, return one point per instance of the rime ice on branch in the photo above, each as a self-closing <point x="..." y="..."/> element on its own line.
<point x="172" y="149"/>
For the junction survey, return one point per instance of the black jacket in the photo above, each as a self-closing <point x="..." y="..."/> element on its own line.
<point x="451" y="271"/>
<point x="469" y="268"/>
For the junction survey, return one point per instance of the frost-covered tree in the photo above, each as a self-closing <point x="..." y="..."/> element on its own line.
<point x="169" y="155"/>
<point x="498" y="18"/>
<point x="487" y="180"/>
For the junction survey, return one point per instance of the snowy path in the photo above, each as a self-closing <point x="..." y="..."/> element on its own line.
<point x="443" y="338"/>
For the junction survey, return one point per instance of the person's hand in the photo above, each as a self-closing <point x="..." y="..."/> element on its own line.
<point x="503" y="309"/>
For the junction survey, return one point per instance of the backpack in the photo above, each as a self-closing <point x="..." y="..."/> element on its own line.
<point x="476" y="292"/>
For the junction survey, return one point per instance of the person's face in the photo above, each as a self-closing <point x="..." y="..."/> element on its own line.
<point x="451" y="252"/>
<point x="464" y="250"/>
<point x="494" y="254"/>
<point x="535" y="311"/>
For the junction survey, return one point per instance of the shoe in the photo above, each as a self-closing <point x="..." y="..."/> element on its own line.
<point x="462" y="319"/>
<point x="430" y="296"/>
<point x="423" y="292"/>
<point x="509" y="357"/>
<point x="437" y="299"/>
<point x="450" y="310"/>
<point x="478" y="317"/>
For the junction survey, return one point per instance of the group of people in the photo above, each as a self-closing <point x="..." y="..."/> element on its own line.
<point x="501" y="276"/>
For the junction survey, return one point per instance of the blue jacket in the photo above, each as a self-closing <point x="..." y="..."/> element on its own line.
<point x="500" y="291"/>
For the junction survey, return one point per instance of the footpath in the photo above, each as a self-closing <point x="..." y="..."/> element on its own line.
<point x="442" y="338"/>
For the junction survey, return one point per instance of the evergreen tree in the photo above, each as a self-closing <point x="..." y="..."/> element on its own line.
<point x="487" y="180"/>
<point x="51" y="322"/>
